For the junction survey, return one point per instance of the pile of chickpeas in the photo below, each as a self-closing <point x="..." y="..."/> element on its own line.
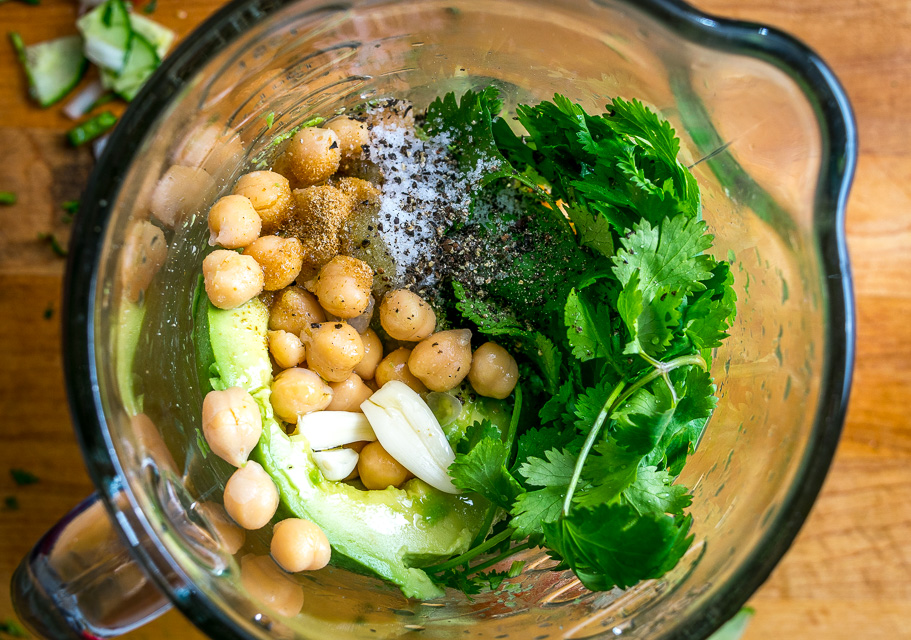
<point x="321" y="305"/>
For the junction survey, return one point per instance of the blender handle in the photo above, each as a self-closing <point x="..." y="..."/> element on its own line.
<point x="80" y="581"/>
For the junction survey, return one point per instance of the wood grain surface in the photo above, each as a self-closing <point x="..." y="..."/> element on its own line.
<point x="848" y="576"/>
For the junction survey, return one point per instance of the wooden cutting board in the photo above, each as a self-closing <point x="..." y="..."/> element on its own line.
<point x="849" y="574"/>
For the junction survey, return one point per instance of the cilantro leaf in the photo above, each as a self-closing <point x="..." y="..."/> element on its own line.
<point x="657" y="267"/>
<point x="474" y="433"/>
<point x="650" y="323"/>
<point x="614" y="546"/>
<point x="607" y="472"/>
<point x="669" y="256"/>
<point x="642" y="422"/>
<point x="657" y="140"/>
<point x="589" y="404"/>
<point x="587" y="327"/>
<point x="708" y="317"/>
<point x="559" y="404"/>
<point x="555" y="470"/>
<point x="553" y="473"/>
<point x="594" y="230"/>
<point x="483" y="470"/>
<point x="654" y="493"/>
<point x="534" y="508"/>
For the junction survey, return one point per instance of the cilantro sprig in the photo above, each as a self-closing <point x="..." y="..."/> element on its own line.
<point x="612" y="305"/>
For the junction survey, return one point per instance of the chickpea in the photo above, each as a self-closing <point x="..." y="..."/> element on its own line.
<point x="348" y="394"/>
<point x="354" y="446"/>
<point x="364" y="193"/>
<point x="207" y="146"/>
<point x="394" y="114"/>
<point x="299" y="545"/>
<point x="362" y="322"/>
<point x="314" y="155"/>
<point x="296" y="392"/>
<point x="286" y="348"/>
<point x="270" y="194"/>
<point x="352" y="136"/>
<point x="263" y="580"/>
<point x="373" y="353"/>
<point x="443" y="360"/>
<point x="333" y="349"/>
<point x="280" y="258"/>
<point x="405" y="316"/>
<point x="378" y="469"/>
<point x="233" y="222"/>
<point x="395" y="367"/>
<point x="229" y="535"/>
<point x="231" y="424"/>
<point x="180" y="191"/>
<point x="343" y="286"/>
<point x="250" y="496"/>
<point x="144" y="253"/>
<point x="150" y="443"/>
<point x="293" y="309"/>
<point x="231" y="279"/>
<point x="494" y="372"/>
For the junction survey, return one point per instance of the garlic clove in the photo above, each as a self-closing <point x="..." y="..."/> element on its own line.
<point x="410" y="433"/>
<point x="336" y="464"/>
<point x="330" y="429"/>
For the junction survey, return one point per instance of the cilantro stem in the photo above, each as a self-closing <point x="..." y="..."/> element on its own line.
<point x="471" y="553"/>
<point x="606" y="409"/>
<point x="617" y="397"/>
<point x="501" y="557"/>
<point x="514" y="419"/>
<point x="510" y="439"/>
<point x="662" y="369"/>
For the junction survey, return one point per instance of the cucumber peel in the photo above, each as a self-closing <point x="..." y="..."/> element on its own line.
<point x="52" y="68"/>
<point x="141" y="62"/>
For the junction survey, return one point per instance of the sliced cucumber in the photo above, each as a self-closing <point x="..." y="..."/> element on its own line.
<point x="53" y="68"/>
<point x="141" y="62"/>
<point x="107" y="32"/>
<point x="158" y="36"/>
<point x="127" y="47"/>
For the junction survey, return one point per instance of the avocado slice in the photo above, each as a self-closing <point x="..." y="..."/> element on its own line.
<point x="390" y="532"/>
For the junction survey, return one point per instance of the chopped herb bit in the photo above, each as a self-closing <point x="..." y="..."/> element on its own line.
<point x="150" y="7"/>
<point x="202" y="444"/>
<point x="56" y="246"/>
<point x="270" y="119"/>
<point x="313" y="122"/>
<point x="9" y="626"/>
<point x="7" y="197"/>
<point x="22" y="477"/>
<point x="70" y="209"/>
<point x="91" y="129"/>
<point x="11" y="503"/>
<point x="49" y="312"/>
<point x="104" y="98"/>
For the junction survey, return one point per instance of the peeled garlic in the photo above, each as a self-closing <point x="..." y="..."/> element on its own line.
<point x="331" y="429"/>
<point x="336" y="464"/>
<point x="410" y="433"/>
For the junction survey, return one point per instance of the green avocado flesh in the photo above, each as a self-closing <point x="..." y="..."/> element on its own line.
<point x="390" y="532"/>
